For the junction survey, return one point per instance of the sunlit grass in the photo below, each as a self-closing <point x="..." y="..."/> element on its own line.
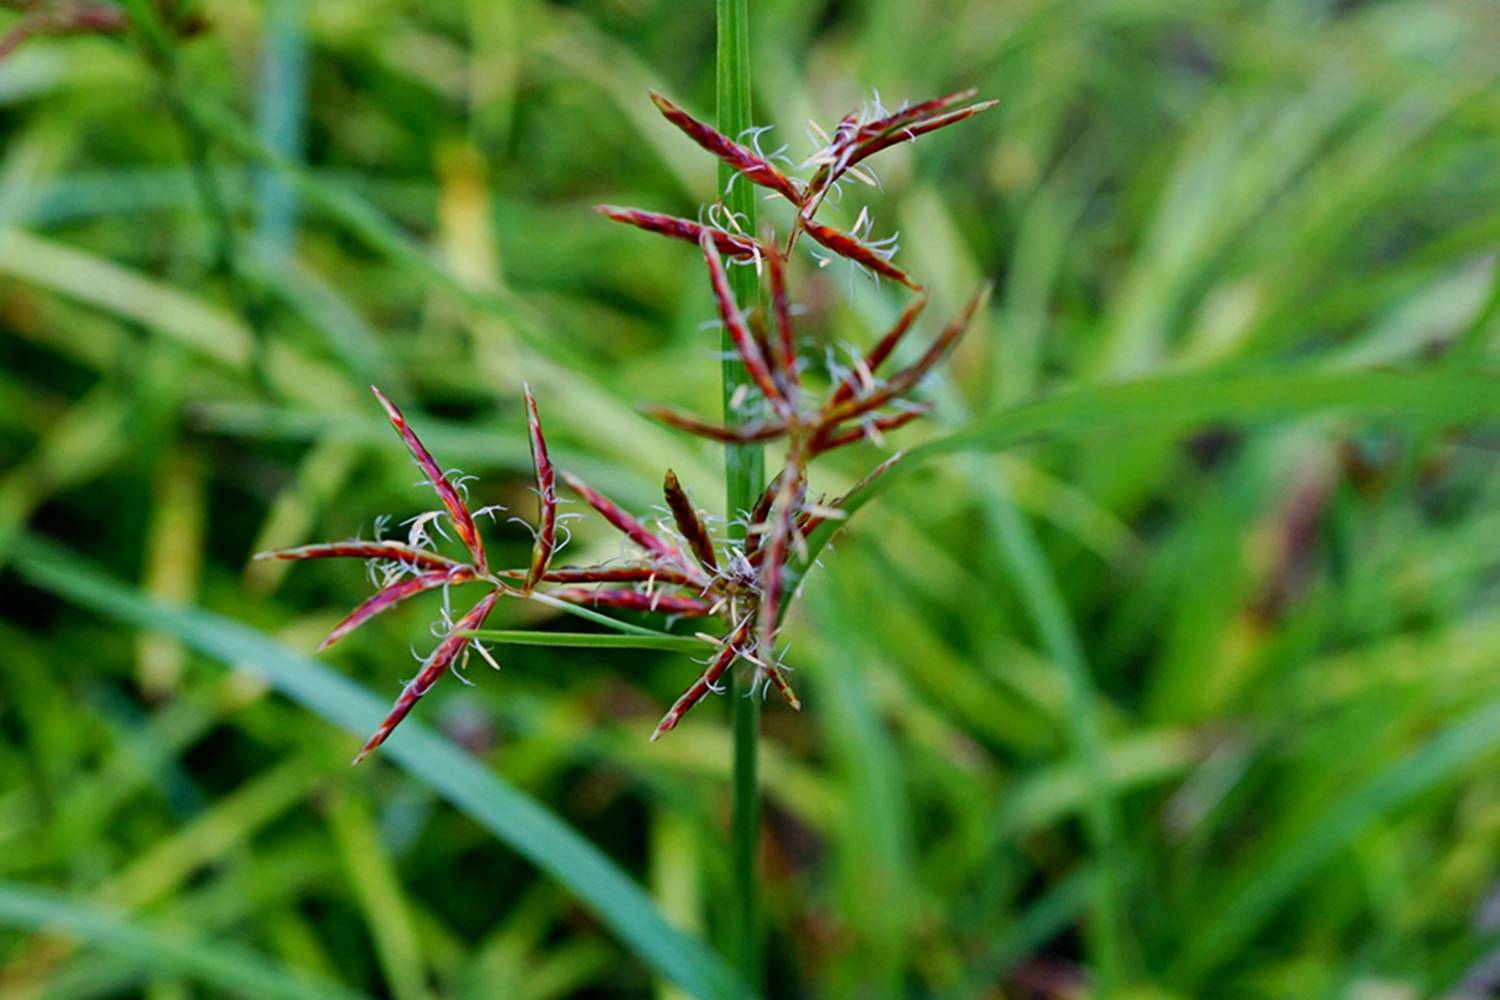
<point x="1165" y="657"/>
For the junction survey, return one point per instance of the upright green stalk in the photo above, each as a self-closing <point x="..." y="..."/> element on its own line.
<point x="160" y="49"/>
<point x="744" y="471"/>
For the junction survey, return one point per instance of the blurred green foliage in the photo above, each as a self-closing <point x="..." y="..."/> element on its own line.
<point x="1196" y="683"/>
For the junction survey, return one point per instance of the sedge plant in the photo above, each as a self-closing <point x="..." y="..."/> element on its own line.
<point x="680" y="567"/>
<point x="741" y="579"/>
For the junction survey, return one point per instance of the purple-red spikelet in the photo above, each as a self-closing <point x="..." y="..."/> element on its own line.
<point x="911" y="113"/>
<point x="389" y="596"/>
<point x="778" y="680"/>
<point x="784" y="350"/>
<point x="756" y="526"/>
<point x="907" y="378"/>
<point x="689" y="523"/>
<point x="845" y="245"/>
<point x="707" y="681"/>
<point x="815" y="521"/>
<point x="773" y="565"/>
<point x="620" y="574"/>
<point x="910" y="132"/>
<point x="458" y="511"/>
<point x="432" y="671"/>
<point x="739" y="333"/>
<point x="728" y="244"/>
<point x="622" y="521"/>
<point x="760" y="430"/>
<point x="853" y="142"/>
<point x="869" y="428"/>
<point x="748" y="164"/>
<point x="546" y="490"/>
<point x="63" y="19"/>
<point x="406" y="555"/>
<point x="637" y="600"/>
<point x="872" y="360"/>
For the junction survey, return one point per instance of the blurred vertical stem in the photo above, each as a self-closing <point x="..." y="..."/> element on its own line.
<point x="744" y="470"/>
<point x="280" y="113"/>
<point x="157" y="41"/>
<point x="1044" y="603"/>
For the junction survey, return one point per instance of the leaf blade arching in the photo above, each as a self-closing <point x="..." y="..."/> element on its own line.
<point x="505" y="811"/>
<point x="224" y="965"/>
<point x="1185" y="401"/>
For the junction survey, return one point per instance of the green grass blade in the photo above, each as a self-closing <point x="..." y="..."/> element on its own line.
<point x="108" y="286"/>
<point x="376" y="887"/>
<point x="1182" y="402"/>
<point x="229" y="968"/>
<point x="876" y="852"/>
<point x="514" y="817"/>
<point x="281" y="97"/>
<point x="1245" y="907"/>
<point x="363" y="221"/>
<point x="1047" y="608"/>
<point x="1033" y="927"/>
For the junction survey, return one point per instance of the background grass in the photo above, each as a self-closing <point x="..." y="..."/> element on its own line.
<point x="1168" y="669"/>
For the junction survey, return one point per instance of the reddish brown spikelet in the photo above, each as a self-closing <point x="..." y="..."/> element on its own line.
<point x="728" y="653"/>
<point x="620" y="574"/>
<point x="829" y="439"/>
<point x="406" y="555"/>
<point x="546" y="487"/>
<point x="773" y="564"/>
<point x="790" y="493"/>
<point x="637" y="600"/>
<point x="878" y="353"/>
<point x="739" y="333"/>
<point x="432" y="671"/>
<point x="815" y="521"/>
<point x="746" y="162"/>
<point x="622" y="521"/>
<point x="757" y="323"/>
<point x="912" y="113"/>
<point x="389" y="596"/>
<point x="778" y="681"/>
<point x="728" y="244"/>
<point x="908" y="377"/>
<point x="754" y="528"/>
<point x="846" y="129"/>
<point x="784" y="351"/>
<point x="845" y="245"/>
<point x="757" y="431"/>
<point x="458" y="511"/>
<point x="853" y="143"/>
<point x="851" y="140"/>
<point x="910" y="132"/>
<point x="689" y="523"/>
<point x="80" y="19"/>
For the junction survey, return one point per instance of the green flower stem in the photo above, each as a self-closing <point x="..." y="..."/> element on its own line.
<point x="578" y="611"/>
<point x="744" y="469"/>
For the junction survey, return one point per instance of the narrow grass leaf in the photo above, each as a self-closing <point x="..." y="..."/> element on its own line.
<point x="227" y="968"/>
<point x="510" y="814"/>
<point x="1183" y="402"/>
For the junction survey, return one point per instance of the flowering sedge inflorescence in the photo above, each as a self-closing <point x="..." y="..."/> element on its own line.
<point x="680" y="568"/>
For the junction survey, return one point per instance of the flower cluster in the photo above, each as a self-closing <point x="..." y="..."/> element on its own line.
<point x="681" y="569"/>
